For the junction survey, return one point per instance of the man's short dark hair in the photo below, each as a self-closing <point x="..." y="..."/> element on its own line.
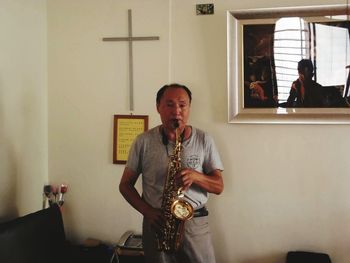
<point x="305" y="63"/>
<point x="161" y="91"/>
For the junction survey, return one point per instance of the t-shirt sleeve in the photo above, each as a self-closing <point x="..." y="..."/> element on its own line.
<point x="134" y="157"/>
<point x="212" y="159"/>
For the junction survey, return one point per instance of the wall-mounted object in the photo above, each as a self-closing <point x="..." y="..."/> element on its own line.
<point x="126" y="129"/>
<point x="266" y="50"/>
<point x="205" y="9"/>
<point x="130" y="39"/>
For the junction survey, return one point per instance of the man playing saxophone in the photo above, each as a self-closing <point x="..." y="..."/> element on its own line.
<point x="190" y="155"/>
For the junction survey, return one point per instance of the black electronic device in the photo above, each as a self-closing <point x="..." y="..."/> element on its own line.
<point x="130" y="240"/>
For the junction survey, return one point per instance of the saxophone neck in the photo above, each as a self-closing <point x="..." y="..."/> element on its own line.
<point x="176" y="126"/>
<point x="177" y="136"/>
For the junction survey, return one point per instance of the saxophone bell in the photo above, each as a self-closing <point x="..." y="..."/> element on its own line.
<point x="182" y="210"/>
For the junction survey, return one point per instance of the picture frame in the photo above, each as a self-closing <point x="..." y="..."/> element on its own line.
<point x="239" y="22"/>
<point x="126" y="129"/>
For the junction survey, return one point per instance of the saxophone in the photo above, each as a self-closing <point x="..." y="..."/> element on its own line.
<point x="175" y="210"/>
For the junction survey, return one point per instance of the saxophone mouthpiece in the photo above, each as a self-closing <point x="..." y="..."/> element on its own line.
<point x="176" y="124"/>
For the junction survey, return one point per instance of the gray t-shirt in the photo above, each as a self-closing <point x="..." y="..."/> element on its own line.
<point x="150" y="157"/>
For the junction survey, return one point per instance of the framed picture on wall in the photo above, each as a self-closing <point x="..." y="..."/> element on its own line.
<point x="126" y="129"/>
<point x="289" y="65"/>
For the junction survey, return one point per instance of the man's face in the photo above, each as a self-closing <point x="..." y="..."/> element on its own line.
<point x="305" y="73"/>
<point x="174" y="105"/>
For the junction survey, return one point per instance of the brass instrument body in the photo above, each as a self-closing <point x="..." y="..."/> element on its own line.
<point x="175" y="210"/>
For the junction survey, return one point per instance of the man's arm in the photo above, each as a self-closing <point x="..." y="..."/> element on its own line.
<point x="129" y="192"/>
<point x="211" y="182"/>
<point x="292" y="96"/>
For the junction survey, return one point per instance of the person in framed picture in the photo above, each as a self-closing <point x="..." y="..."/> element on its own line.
<point x="305" y="92"/>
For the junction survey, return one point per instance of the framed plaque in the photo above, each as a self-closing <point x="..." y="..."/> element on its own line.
<point x="126" y="129"/>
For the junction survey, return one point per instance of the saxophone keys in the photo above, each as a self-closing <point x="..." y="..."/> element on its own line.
<point x="180" y="193"/>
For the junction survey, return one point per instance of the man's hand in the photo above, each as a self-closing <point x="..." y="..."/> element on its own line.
<point x="185" y="178"/>
<point x="211" y="182"/>
<point x="155" y="218"/>
<point x="128" y="190"/>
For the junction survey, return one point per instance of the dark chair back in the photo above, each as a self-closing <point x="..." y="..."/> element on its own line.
<point x="35" y="238"/>
<point x="307" y="257"/>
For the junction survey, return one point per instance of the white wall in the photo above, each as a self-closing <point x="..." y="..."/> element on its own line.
<point x="285" y="185"/>
<point x="23" y="106"/>
<point x="88" y="84"/>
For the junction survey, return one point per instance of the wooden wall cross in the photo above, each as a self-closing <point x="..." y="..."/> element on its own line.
<point x="130" y="39"/>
